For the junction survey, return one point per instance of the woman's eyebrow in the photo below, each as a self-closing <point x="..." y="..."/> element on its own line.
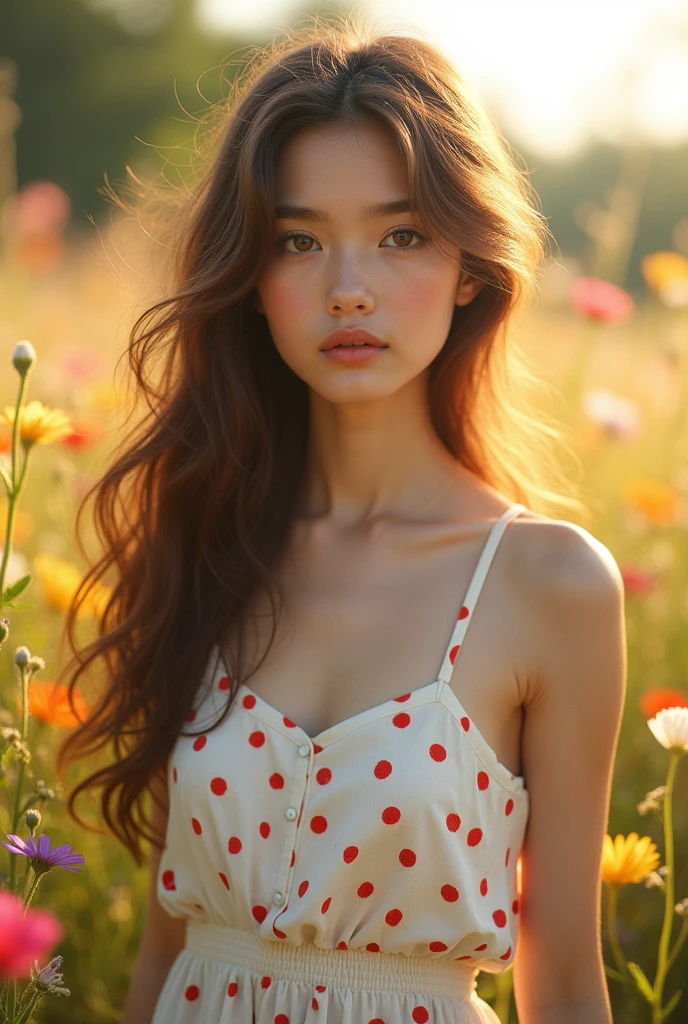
<point x="287" y="211"/>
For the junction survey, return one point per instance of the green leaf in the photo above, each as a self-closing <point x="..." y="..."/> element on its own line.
<point x="611" y="973"/>
<point x="9" y="593"/>
<point x="19" y="605"/>
<point x="641" y="981"/>
<point x="672" y="1004"/>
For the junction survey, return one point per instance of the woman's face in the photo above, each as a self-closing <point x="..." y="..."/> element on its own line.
<point x="337" y="264"/>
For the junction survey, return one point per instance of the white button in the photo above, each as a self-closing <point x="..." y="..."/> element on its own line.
<point x="304" y="751"/>
<point x="277" y="898"/>
<point x="290" y="813"/>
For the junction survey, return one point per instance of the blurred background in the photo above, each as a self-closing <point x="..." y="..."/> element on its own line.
<point x="593" y="98"/>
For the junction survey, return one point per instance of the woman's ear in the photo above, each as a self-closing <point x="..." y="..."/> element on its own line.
<point x="468" y="288"/>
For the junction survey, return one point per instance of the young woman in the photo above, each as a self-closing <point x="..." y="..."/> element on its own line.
<point x="372" y="686"/>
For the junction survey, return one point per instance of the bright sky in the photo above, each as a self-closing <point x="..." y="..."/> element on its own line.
<point x="556" y="73"/>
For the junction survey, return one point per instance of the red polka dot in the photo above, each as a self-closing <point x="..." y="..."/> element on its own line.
<point x="200" y="742"/>
<point x="249" y="701"/>
<point x="326" y="905"/>
<point x="318" y="823"/>
<point x="376" y="1020"/>
<point x="191" y="715"/>
<point x="483" y="780"/>
<point x="393" y="917"/>
<point x="365" y="890"/>
<point x="466" y="723"/>
<point x="391" y="815"/>
<point x="234" y="844"/>
<point x="382" y="770"/>
<point x="320" y="988"/>
<point x="407" y="858"/>
<point x="218" y="786"/>
<point x="514" y="907"/>
<point x="438" y="947"/>
<point x="509" y="806"/>
<point x="505" y="956"/>
<point x="174" y="774"/>
<point x="479" y="949"/>
<point x="278" y="933"/>
<point x="192" y="993"/>
<point x="232" y="988"/>
<point x="264" y="829"/>
<point x="341" y="945"/>
<point x="483" y="887"/>
<point x="257" y="739"/>
<point x="196" y="825"/>
<point x="506" y="859"/>
<point x="474" y="836"/>
<point x="449" y="893"/>
<point x="281" y="1018"/>
<point x="225" y="880"/>
<point x="314" y="1003"/>
<point x="316" y="748"/>
<point x="452" y="654"/>
<point x="464" y="612"/>
<point x="288" y="722"/>
<point x="453" y="822"/>
<point x="276" y="780"/>
<point x="303" y="888"/>
<point x="260" y="913"/>
<point x="168" y="881"/>
<point x="401" y="720"/>
<point x="323" y="776"/>
<point x="420" y="1015"/>
<point x="499" y="918"/>
<point x="403" y="697"/>
<point x="351" y="853"/>
<point x="373" y="947"/>
<point x="265" y="981"/>
<point x="437" y="752"/>
<point x="224" y="683"/>
<point x="293" y="858"/>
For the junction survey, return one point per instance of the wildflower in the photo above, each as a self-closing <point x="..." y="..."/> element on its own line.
<point x="40" y="207"/>
<point x="23" y="357"/>
<point x="599" y="300"/>
<point x="655" y="500"/>
<point x="654" y="701"/>
<point x="670" y="728"/>
<point x="21" y="657"/>
<point x="4" y="630"/>
<point x="32" y="819"/>
<point x="666" y="273"/>
<point x="24" y="937"/>
<point x="61" y="579"/>
<point x="42" y="857"/>
<point x="652" y="801"/>
<point x="655" y="881"/>
<point x="628" y="858"/>
<point x="37" y="423"/>
<point x="84" y="432"/>
<point x="619" y="417"/>
<point x="682" y="907"/>
<point x="49" y="702"/>
<point x="636" y="581"/>
<point x="49" y="980"/>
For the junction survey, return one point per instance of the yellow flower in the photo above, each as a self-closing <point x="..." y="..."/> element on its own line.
<point x="60" y="580"/>
<point x="666" y="273"/>
<point x="655" y="499"/>
<point x="37" y="423"/>
<point x="628" y="858"/>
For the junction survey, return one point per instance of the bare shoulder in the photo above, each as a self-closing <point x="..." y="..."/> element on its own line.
<point x="574" y="599"/>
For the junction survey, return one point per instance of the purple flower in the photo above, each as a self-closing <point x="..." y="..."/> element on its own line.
<point x="42" y="856"/>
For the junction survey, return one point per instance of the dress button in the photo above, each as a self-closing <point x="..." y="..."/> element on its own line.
<point x="277" y="898"/>
<point x="304" y="751"/>
<point x="290" y="813"/>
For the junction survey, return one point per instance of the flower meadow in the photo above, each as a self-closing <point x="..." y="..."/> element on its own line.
<point x="71" y="900"/>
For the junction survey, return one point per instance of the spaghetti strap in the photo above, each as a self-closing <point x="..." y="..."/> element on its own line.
<point x="475" y="587"/>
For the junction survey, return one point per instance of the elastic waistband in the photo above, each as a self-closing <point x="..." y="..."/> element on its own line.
<point x="336" y="968"/>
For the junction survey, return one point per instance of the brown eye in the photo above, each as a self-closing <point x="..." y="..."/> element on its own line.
<point x="405" y="236"/>
<point x="301" y="239"/>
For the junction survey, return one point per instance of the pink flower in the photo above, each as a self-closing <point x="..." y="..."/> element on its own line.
<point x="40" y="208"/>
<point x="637" y="581"/>
<point x="24" y="939"/>
<point x="600" y="300"/>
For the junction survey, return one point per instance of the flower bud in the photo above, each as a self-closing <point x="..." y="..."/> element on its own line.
<point x="23" y="357"/>
<point x="4" y="630"/>
<point x="35" y="664"/>
<point x="21" y="657"/>
<point x="32" y="818"/>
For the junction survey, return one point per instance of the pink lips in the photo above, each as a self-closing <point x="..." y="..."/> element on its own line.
<point x="334" y="346"/>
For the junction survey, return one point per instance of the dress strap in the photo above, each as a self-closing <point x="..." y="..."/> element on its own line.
<point x="475" y="586"/>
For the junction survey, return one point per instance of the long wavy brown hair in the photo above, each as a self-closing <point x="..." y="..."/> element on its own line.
<point x="196" y="507"/>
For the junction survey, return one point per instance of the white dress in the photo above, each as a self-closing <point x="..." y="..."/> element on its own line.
<point x="361" y="876"/>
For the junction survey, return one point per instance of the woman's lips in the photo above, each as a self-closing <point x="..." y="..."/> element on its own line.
<point x="353" y="353"/>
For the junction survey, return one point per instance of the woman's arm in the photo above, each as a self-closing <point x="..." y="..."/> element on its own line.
<point x="572" y="722"/>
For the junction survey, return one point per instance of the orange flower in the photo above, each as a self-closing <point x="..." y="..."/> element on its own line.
<point x="37" y="423"/>
<point x="49" y="702"/>
<point x="655" y="499"/>
<point x="654" y="701"/>
<point x="85" y="432"/>
<point x="600" y="300"/>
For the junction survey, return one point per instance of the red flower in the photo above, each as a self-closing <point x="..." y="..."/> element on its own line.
<point x="636" y="581"/>
<point x="600" y="300"/>
<point x="654" y="701"/>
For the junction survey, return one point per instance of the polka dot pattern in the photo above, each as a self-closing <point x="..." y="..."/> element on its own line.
<point x="398" y="832"/>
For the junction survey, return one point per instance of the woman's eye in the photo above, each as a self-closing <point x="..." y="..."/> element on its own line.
<point x="404" y="236"/>
<point x="299" y="240"/>
<point x="303" y="243"/>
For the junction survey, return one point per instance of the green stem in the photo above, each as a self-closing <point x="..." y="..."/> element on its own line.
<point x="12" y="498"/>
<point x="612" y="930"/>
<point x="682" y="936"/>
<point x="20" y="768"/>
<point x="665" y="936"/>
<point x="34" y="885"/>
